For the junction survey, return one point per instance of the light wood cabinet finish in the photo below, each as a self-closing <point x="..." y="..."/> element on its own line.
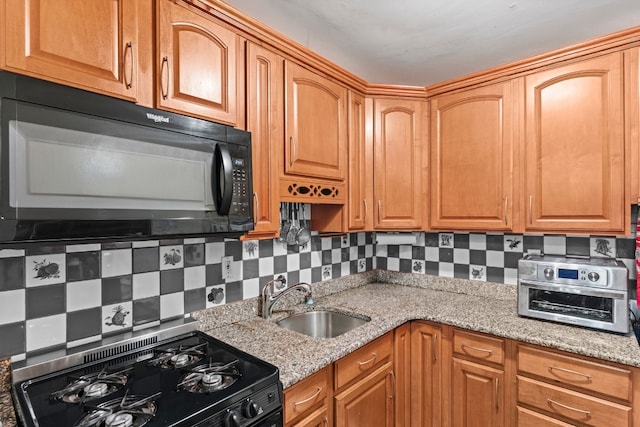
<point x="574" y="154"/>
<point x="472" y="155"/>
<point x="197" y="64"/>
<point x="318" y="418"/>
<point x="478" y="395"/>
<point x="402" y="353"/>
<point x="527" y="418"/>
<point x="426" y="374"/>
<point x="398" y="164"/>
<point x="368" y="402"/>
<point x="101" y="45"/>
<point x="265" y="121"/>
<point x="571" y="406"/>
<point x="363" y="361"/>
<point x="304" y="399"/>
<point x="481" y="348"/>
<point x="316" y="125"/>
<point x="360" y="204"/>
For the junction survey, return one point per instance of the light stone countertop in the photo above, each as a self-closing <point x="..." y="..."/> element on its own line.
<point x="391" y="299"/>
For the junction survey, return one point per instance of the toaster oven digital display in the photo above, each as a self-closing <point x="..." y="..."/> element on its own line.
<point x="564" y="273"/>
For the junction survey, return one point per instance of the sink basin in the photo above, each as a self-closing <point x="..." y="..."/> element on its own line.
<point x="321" y="323"/>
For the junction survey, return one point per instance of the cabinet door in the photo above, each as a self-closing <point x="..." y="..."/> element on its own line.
<point x="471" y="159"/>
<point x="426" y="375"/>
<point x="397" y="164"/>
<point x="402" y="369"/>
<point x="477" y="395"/>
<point x="89" y="44"/>
<point x="265" y="111"/>
<point x="369" y="402"/>
<point x="575" y="147"/>
<point x="318" y="418"/>
<point x="360" y="165"/>
<point x="316" y="125"/>
<point x="197" y="64"/>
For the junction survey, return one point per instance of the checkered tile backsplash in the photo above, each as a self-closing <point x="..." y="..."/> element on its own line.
<point x="67" y="295"/>
<point x="59" y="296"/>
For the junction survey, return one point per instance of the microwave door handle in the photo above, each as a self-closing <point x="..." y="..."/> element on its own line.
<point x="223" y="191"/>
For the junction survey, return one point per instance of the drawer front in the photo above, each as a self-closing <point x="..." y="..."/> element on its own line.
<point x="305" y="395"/>
<point x="571" y="406"/>
<point x="527" y="418"/>
<point x="363" y="360"/>
<point x="567" y="370"/>
<point x="478" y="347"/>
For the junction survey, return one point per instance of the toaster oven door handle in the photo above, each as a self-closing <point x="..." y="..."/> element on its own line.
<point x="222" y="179"/>
<point x="578" y="290"/>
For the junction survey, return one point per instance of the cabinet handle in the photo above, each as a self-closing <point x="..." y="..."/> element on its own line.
<point x="325" y="421"/>
<point x="366" y="208"/>
<point x="308" y="399"/>
<point x="257" y="205"/>
<point x="506" y="207"/>
<point x="375" y="355"/>
<point x="434" y="355"/>
<point x="292" y="147"/>
<point x="393" y="384"/>
<point x="165" y="63"/>
<point x="581" y="411"/>
<point x="379" y="207"/>
<point x="129" y="49"/>
<point x="483" y="350"/>
<point x="530" y="209"/>
<point x="497" y="394"/>
<point x="569" y="371"/>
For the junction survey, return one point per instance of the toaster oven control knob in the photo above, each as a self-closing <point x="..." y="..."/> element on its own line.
<point x="250" y="408"/>
<point x="593" y="276"/>
<point x="231" y="419"/>
<point x="548" y="273"/>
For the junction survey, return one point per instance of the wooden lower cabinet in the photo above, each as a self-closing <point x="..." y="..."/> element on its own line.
<point x="306" y="401"/>
<point x="477" y="395"/>
<point x="426" y="374"/>
<point x="368" y="402"/>
<point x="317" y="418"/>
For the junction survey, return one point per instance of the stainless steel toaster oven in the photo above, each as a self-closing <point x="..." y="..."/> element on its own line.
<point x="589" y="292"/>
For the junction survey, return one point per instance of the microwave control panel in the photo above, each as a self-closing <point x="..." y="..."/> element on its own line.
<point x="241" y="199"/>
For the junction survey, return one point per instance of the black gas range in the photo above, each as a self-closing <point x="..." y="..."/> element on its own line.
<point x="191" y="379"/>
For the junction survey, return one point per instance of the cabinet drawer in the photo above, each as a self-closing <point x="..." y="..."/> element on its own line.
<point x="571" y="406"/>
<point x="572" y="371"/>
<point x="478" y="347"/>
<point x="363" y="360"/>
<point x="527" y="418"/>
<point x="306" y="394"/>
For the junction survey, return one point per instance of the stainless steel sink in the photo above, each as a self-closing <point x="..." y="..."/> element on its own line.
<point x="321" y="323"/>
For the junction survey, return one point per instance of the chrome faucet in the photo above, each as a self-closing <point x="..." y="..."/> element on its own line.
<point x="269" y="299"/>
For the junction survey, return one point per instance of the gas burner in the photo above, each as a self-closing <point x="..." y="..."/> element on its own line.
<point x="92" y="386"/>
<point x="178" y="357"/>
<point x="214" y="376"/>
<point x="130" y="411"/>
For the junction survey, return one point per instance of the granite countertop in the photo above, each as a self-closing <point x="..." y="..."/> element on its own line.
<point x="391" y="299"/>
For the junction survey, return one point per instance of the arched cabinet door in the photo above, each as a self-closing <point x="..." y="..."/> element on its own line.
<point x="574" y="147"/>
<point x="196" y="63"/>
<point x="316" y="125"/>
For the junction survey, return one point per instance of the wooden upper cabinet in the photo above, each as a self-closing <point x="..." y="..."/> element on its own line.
<point x="197" y="68"/>
<point x="398" y="140"/>
<point x="316" y="125"/>
<point x="471" y="159"/>
<point x="93" y="44"/>
<point x="265" y="121"/>
<point x="360" y="165"/>
<point x="574" y="154"/>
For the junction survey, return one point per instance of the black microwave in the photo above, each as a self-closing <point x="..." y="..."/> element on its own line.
<point x="76" y="165"/>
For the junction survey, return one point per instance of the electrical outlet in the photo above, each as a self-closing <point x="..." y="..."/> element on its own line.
<point x="226" y="267"/>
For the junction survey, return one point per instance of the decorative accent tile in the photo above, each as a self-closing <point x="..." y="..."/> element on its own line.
<point x="83" y="295"/>
<point x="603" y="247"/>
<point x="46" y="332"/>
<point x="513" y="243"/>
<point x="194" y="255"/>
<point x="12" y="274"/>
<point x="116" y="262"/>
<point x="327" y="272"/>
<point x="12" y="308"/>
<point x="477" y="272"/>
<point x="117" y="317"/>
<point x="250" y="249"/>
<point x="362" y="265"/>
<point x="44" y="270"/>
<point x="445" y="240"/>
<point x="171" y="257"/>
<point x="417" y="266"/>
<point x="215" y="295"/>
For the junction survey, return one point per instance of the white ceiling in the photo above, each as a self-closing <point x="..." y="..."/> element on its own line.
<point x="421" y="42"/>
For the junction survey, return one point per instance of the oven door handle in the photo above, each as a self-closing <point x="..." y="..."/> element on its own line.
<point x="577" y="290"/>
